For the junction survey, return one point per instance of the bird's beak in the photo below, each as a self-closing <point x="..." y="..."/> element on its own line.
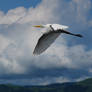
<point x="39" y="26"/>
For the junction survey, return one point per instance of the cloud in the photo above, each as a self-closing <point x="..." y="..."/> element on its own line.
<point x="66" y="59"/>
<point x="4" y="43"/>
<point x="38" y="81"/>
<point x="12" y="15"/>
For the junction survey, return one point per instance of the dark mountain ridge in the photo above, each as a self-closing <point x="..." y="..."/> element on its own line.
<point x="82" y="86"/>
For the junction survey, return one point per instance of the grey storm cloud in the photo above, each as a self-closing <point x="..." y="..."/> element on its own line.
<point x="68" y="59"/>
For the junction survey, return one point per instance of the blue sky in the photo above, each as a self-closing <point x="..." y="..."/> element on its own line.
<point x="68" y="59"/>
<point x="6" y="5"/>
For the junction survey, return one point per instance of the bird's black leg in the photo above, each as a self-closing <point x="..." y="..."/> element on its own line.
<point x="78" y="35"/>
<point x="52" y="28"/>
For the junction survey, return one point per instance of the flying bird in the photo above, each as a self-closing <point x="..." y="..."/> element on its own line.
<point x="52" y="32"/>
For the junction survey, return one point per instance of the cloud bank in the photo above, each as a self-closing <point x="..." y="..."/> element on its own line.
<point x="68" y="59"/>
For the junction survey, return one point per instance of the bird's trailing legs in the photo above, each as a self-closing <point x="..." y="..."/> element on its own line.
<point x="63" y="31"/>
<point x="51" y="27"/>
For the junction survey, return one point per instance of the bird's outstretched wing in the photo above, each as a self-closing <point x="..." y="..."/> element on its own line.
<point x="45" y="41"/>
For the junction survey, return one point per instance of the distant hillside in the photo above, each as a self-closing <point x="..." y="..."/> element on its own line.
<point x="83" y="86"/>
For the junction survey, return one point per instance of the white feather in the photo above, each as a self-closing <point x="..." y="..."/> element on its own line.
<point x="45" y="41"/>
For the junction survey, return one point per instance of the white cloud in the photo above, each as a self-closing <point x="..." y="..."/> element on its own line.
<point x="10" y="67"/>
<point x="4" y="42"/>
<point x="12" y="15"/>
<point x="82" y="9"/>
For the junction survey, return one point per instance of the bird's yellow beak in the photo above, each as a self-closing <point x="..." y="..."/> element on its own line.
<point x="39" y="26"/>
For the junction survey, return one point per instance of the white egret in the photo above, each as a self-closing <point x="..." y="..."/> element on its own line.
<point x="52" y="32"/>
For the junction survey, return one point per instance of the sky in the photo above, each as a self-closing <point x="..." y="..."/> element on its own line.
<point x="6" y="5"/>
<point x="68" y="59"/>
